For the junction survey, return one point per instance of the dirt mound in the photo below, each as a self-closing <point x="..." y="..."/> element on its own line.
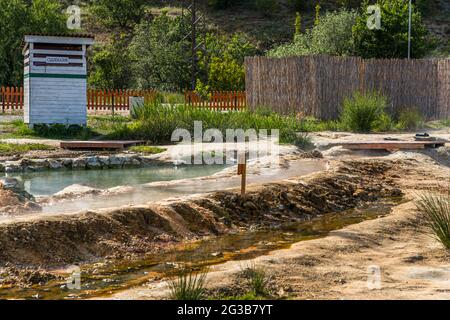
<point x="136" y="231"/>
<point x="13" y="199"/>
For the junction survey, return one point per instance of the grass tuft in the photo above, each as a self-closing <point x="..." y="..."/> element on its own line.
<point x="147" y="149"/>
<point x="410" y="119"/>
<point x="362" y="111"/>
<point x="8" y="148"/>
<point x="258" y="280"/>
<point x="188" y="286"/>
<point x="156" y="122"/>
<point x="436" y="210"/>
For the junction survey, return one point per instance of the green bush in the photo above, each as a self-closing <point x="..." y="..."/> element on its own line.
<point x="384" y="123"/>
<point x="361" y="112"/>
<point x="410" y="119"/>
<point x="436" y="210"/>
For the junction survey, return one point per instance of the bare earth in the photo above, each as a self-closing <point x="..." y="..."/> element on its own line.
<point x="413" y="265"/>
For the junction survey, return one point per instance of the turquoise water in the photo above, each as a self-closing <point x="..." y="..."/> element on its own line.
<point x="48" y="183"/>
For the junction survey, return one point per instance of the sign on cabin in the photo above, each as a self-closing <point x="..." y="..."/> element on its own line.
<point x="57" y="60"/>
<point x="55" y="79"/>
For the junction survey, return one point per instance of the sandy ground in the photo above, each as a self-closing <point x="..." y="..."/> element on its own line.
<point x="412" y="265"/>
<point x="345" y="265"/>
<point x="328" y="139"/>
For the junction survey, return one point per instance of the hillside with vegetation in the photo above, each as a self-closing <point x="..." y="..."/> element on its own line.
<point x="145" y="43"/>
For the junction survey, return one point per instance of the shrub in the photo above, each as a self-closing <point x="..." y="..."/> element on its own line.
<point x="188" y="286"/>
<point x="362" y="111"/>
<point x="409" y="119"/>
<point x="436" y="210"/>
<point x="384" y="123"/>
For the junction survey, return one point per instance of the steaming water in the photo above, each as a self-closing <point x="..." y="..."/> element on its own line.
<point x="150" y="184"/>
<point x="50" y="182"/>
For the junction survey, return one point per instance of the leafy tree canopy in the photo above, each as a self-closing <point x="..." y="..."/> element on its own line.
<point x="122" y="14"/>
<point x="391" y="41"/>
<point x="18" y="17"/>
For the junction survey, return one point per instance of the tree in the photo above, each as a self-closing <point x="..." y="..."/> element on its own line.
<point x="18" y="17"/>
<point x="112" y="65"/>
<point x="46" y="16"/>
<point x="160" y="54"/>
<point x="331" y="35"/>
<point x="298" y="25"/>
<point x="222" y="63"/>
<point x="226" y="74"/>
<point x="122" y="14"/>
<point x="391" y="41"/>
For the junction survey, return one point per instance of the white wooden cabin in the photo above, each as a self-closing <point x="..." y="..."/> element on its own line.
<point x="55" y="79"/>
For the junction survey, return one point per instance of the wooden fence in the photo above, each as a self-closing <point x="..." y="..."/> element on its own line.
<point x="218" y="100"/>
<point x="109" y="101"/>
<point x="11" y="99"/>
<point x="98" y="101"/>
<point x="317" y="85"/>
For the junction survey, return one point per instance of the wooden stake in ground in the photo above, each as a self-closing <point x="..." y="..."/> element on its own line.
<point x="242" y="171"/>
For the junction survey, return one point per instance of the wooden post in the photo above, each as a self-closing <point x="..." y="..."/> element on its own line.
<point x="242" y="171"/>
<point x="3" y="99"/>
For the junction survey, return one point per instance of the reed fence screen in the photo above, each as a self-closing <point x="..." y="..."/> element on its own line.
<point x="317" y="85"/>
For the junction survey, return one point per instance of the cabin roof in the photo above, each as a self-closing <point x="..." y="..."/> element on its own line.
<point x="63" y="35"/>
<point x="59" y="38"/>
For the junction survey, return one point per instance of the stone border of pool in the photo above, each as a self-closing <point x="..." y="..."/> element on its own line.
<point x="116" y="161"/>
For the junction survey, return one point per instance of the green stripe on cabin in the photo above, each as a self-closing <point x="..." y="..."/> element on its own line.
<point x="54" y="75"/>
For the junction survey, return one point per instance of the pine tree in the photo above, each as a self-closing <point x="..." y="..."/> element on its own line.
<point x="298" y="25"/>
<point x="316" y="20"/>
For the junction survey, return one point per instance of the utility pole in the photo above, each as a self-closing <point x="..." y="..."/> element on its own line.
<point x="409" y="29"/>
<point x="194" y="43"/>
<point x="196" y="26"/>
